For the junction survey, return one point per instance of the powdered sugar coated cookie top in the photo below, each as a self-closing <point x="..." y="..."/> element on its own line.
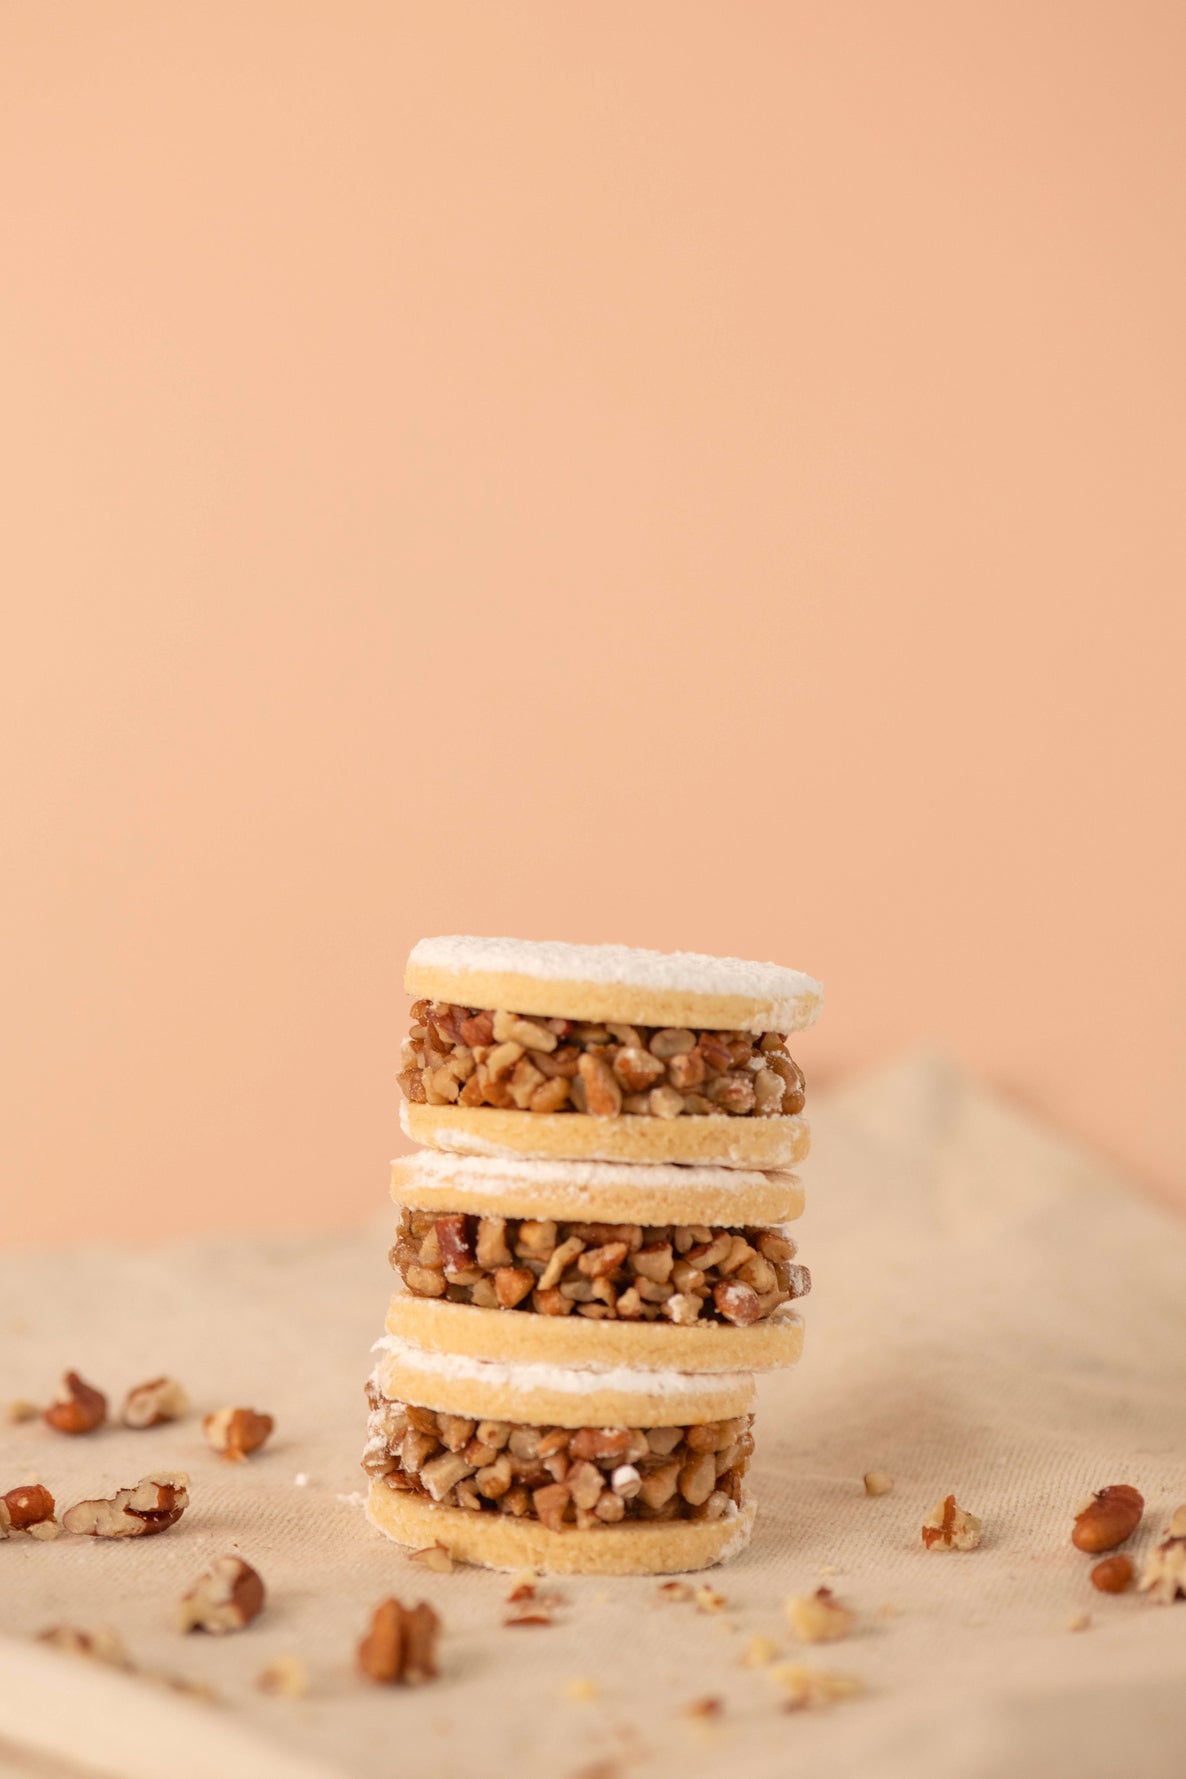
<point x="783" y="999"/>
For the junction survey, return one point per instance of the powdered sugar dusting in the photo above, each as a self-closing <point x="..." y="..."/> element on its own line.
<point x="790" y="1000"/>
<point x="572" y="1379"/>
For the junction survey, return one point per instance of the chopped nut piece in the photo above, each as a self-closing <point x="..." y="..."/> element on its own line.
<point x="949" y="1527"/>
<point x="759" y="1652"/>
<point x="77" y="1407"/>
<point x="228" y="1596"/>
<point x="21" y="1411"/>
<point x="437" y="1556"/>
<point x="582" y="1690"/>
<point x="1113" y="1575"/>
<point x="153" y="1505"/>
<point x="286" y="1678"/>
<point x="819" y="1617"/>
<point x="97" y="1646"/>
<point x="1164" y="1576"/>
<point x="807" y="1687"/>
<point x="400" y="1645"/>
<point x="148" y="1405"/>
<point x="602" y="1093"/>
<point x="236" y="1431"/>
<point x="708" y="1600"/>
<point x="878" y="1482"/>
<point x="1110" y="1517"/>
<point x="512" y="1284"/>
<point x="674" y="1590"/>
<point x="29" y="1508"/>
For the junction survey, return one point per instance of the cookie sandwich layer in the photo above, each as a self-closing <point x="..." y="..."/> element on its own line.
<point x="758" y="1143"/>
<point x="618" y="982"/>
<point x="499" y="1541"/>
<point x="529" y="1339"/>
<point x="594" y="1191"/>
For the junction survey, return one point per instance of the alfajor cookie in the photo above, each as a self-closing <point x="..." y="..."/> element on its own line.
<point x="654" y="1286"/>
<point x="612" y="1472"/>
<point x="604" y="1052"/>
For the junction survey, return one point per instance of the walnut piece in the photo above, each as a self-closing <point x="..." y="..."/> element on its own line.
<point x="878" y="1482"/>
<point x="149" y="1405"/>
<point x="806" y="1687"/>
<point x="949" y="1527"/>
<point x="400" y="1645"/>
<point x="236" y="1431"/>
<point x="228" y="1596"/>
<point x="819" y="1617"/>
<point x="30" y="1509"/>
<point x="153" y="1505"/>
<point x="77" y="1408"/>
<point x="1164" y="1576"/>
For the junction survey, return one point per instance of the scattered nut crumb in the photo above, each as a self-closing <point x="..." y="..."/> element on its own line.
<point x="708" y="1600"/>
<point x="674" y="1590"/>
<point x="149" y="1405"/>
<point x="1177" y="1525"/>
<point x="888" y="1610"/>
<point x="28" y="1508"/>
<point x="19" y="1411"/>
<point x="77" y="1407"/>
<point x="1113" y="1575"/>
<point x="706" y="1707"/>
<point x="153" y="1505"/>
<point x="759" y="1652"/>
<point x="827" y="1569"/>
<point x="434" y="1556"/>
<point x="228" y="1596"/>
<point x="819" y="1617"/>
<point x="400" y="1645"/>
<point x="806" y="1686"/>
<point x="950" y="1527"/>
<point x="301" y="1480"/>
<point x="236" y="1431"/>
<point x="878" y="1482"/>
<point x="97" y="1646"/>
<point x="286" y="1678"/>
<point x="1108" y="1519"/>
<point x="1079" y="1621"/>
<point x="1164" y="1576"/>
<point x="582" y="1690"/>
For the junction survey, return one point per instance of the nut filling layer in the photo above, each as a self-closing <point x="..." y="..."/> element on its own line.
<point x="628" y="1272"/>
<point x="466" y="1056"/>
<point x="561" y="1476"/>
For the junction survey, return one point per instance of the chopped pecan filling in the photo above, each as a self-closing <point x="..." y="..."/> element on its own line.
<point x="562" y="1476"/>
<point x="630" y="1272"/>
<point x="465" y="1056"/>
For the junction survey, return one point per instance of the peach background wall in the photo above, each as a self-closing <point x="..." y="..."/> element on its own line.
<point x="700" y="474"/>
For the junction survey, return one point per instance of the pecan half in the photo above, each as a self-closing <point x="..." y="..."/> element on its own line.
<point x="153" y="1505"/>
<point x="400" y="1646"/>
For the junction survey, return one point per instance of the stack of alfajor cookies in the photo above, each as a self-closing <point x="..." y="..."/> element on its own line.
<point x="592" y="1251"/>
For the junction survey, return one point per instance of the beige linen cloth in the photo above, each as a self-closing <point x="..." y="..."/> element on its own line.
<point x="994" y="1314"/>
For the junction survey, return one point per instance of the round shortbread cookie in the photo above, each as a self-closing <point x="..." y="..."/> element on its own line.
<point x="523" y="1337"/>
<point x="556" y="980"/>
<point x="765" y="1144"/>
<point x="594" y="1191"/>
<point x="500" y="1541"/>
<point x="558" y="1395"/>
